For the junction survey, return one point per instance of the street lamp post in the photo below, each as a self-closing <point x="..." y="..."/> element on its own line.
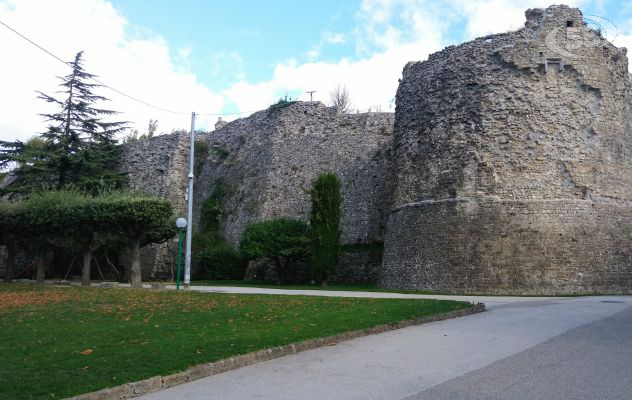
<point x="181" y="223"/>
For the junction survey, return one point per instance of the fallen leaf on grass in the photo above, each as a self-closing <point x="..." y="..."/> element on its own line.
<point x="87" y="352"/>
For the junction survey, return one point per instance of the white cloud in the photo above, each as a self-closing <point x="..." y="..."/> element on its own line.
<point x="327" y="39"/>
<point x="137" y="64"/>
<point x="334" y="38"/>
<point x="624" y="39"/>
<point x="494" y="16"/>
<point x="389" y="33"/>
<point x="227" y="65"/>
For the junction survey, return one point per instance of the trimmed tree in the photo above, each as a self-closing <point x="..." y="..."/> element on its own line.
<point x="278" y="239"/>
<point x="325" y="227"/>
<point x="141" y="220"/>
<point x="66" y="218"/>
<point x="83" y="223"/>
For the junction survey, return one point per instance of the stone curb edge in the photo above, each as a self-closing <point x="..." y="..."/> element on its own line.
<point x="156" y="383"/>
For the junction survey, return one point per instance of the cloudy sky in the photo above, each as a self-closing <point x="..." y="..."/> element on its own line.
<point x="239" y="55"/>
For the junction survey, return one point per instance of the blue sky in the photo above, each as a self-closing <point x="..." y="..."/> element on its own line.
<point x="262" y="33"/>
<point x="240" y="56"/>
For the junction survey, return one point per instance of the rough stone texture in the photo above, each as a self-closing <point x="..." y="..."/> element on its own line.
<point x="175" y="379"/>
<point x="116" y="393"/>
<point x="512" y="165"/>
<point x="358" y="267"/>
<point x="147" y="386"/>
<point x="159" y="166"/>
<point x="268" y="158"/>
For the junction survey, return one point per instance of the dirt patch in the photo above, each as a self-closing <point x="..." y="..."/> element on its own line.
<point x="25" y="298"/>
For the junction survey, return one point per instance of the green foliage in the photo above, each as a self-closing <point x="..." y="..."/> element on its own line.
<point x="78" y="147"/>
<point x="213" y="256"/>
<point x="73" y="219"/>
<point x="325" y="226"/>
<point x="278" y="239"/>
<point x="205" y="241"/>
<point x="221" y="262"/>
<point x="281" y="237"/>
<point x="201" y="151"/>
<point x="212" y="210"/>
<point x="222" y="152"/>
<point x="211" y="214"/>
<point x="279" y="105"/>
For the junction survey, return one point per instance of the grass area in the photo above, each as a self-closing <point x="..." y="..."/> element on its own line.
<point x="60" y="342"/>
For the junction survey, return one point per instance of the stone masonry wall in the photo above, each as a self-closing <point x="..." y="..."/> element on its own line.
<point x="159" y="166"/>
<point x="268" y="159"/>
<point x="512" y="160"/>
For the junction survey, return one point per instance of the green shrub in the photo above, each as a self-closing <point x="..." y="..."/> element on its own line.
<point x="278" y="239"/>
<point x="325" y="227"/>
<point x="221" y="262"/>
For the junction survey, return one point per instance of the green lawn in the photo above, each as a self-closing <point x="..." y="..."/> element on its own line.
<point x="59" y="342"/>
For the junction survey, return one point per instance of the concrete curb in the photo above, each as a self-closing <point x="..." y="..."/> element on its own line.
<point x="156" y="383"/>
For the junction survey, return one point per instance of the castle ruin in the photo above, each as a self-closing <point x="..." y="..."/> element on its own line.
<point x="505" y="168"/>
<point x="513" y="155"/>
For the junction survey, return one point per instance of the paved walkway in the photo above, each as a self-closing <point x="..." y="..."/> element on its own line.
<point x="530" y="348"/>
<point x="490" y="301"/>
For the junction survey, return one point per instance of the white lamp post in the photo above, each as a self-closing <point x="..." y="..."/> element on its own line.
<point x="181" y="223"/>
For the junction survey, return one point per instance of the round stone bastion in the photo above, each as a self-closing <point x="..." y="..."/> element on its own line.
<point x="513" y="165"/>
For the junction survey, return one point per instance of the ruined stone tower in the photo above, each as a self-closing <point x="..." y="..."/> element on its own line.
<point x="513" y="164"/>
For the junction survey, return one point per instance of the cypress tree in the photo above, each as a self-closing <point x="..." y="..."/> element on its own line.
<point x="325" y="226"/>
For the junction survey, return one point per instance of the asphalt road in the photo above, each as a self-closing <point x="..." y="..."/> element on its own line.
<point x="591" y="362"/>
<point x="570" y="348"/>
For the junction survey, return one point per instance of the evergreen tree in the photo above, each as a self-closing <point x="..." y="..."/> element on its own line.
<point x="79" y="145"/>
<point x="325" y="226"/>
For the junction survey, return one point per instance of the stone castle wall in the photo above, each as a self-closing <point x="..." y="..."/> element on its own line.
<point x="266" y="160"/>
<point x="159" y="166"/>
<point x="512" y="164"/>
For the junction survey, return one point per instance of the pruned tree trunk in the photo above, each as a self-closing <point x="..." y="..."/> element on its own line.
<point x="85" y="269"/>
<point x="134" y="256"/>
<point x="8" y="273"/>
<point x="41" y="267"/>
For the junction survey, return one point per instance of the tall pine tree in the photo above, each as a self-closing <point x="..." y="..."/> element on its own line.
<point x="79" y="145"/>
